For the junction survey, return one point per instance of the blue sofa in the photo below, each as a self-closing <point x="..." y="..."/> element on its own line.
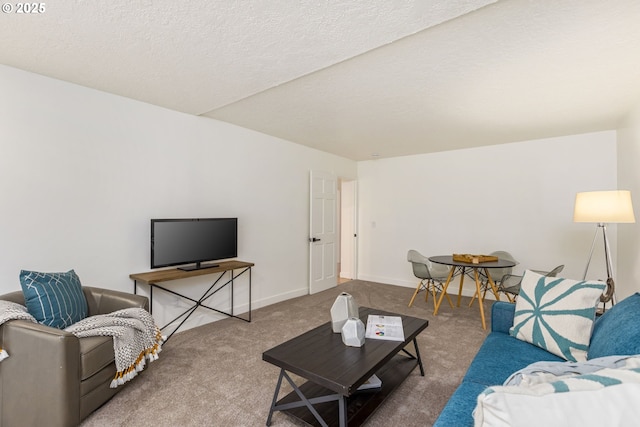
<point x="617" y="332"/>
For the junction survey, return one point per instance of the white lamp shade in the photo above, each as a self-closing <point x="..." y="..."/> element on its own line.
<point x="604" y="207"/>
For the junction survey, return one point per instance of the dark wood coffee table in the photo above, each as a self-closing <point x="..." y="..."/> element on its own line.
<point x="335" y="371"/>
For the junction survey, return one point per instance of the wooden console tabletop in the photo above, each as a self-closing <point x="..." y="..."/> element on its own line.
<point x="158" y="276"/>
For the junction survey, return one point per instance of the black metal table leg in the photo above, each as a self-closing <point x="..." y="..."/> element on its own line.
<point x="275" y="397"/>
<point x="304" y="401"/>
<point x="415" y="344"/>
<point x="342" y="403"/>
<point x="416" y="356"/>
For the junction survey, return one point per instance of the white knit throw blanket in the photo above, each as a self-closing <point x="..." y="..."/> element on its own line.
<point x="136" y="338"/>
<point x="12" y="311"/>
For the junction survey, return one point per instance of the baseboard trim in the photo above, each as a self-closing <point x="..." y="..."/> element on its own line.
<point x="468" y="290"/>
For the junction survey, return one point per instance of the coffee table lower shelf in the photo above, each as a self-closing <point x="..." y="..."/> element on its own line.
<point x="360" y="405"/>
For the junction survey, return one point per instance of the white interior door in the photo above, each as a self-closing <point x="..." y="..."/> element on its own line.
<point x="322" y="232"/>
<point x="348" y="235"/>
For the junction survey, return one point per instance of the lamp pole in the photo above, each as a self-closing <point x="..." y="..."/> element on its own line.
<point x="609" y="292"/>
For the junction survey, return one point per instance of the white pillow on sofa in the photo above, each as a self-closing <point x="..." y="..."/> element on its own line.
<point x="556" y="314"/>
<point x="608" y="397"/>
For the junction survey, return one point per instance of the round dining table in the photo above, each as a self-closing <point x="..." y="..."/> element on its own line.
<point x="462" y="268"/>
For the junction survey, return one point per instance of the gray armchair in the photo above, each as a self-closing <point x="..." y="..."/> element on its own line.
<point x="52" y="377"/>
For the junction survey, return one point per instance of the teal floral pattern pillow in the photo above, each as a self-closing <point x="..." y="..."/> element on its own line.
<point x="556" y="314"/>
<point x="54" y="299"/>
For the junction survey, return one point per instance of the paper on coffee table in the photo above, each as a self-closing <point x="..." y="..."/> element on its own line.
<point x="384" y="328"/>
<point x="373" y="382"/>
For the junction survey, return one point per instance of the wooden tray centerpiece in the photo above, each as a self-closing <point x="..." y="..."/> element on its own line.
<point x="474" y="259"/>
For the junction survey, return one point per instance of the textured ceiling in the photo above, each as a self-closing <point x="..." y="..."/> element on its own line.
<point x="352" y="77"/>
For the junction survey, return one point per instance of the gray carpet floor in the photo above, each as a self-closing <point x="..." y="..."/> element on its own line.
<point x="213" y="375"/>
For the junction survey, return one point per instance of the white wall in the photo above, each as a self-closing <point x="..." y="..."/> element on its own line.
<point x="628" y="278"/>
<point x="82" y="172"/>
<point x="516" y="197"/>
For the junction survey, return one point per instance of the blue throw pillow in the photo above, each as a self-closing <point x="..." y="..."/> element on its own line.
<point x="617" y="331"/>
<point x="54" y="299"/>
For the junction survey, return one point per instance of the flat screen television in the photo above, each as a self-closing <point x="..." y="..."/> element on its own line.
<point x="193" y="241"/>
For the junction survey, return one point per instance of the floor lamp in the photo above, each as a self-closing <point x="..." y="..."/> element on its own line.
<point x="604" y="207"/>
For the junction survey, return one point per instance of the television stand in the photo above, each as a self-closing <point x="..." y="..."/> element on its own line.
<point x="153" y="278"/>
<point x="198" y="266"/>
